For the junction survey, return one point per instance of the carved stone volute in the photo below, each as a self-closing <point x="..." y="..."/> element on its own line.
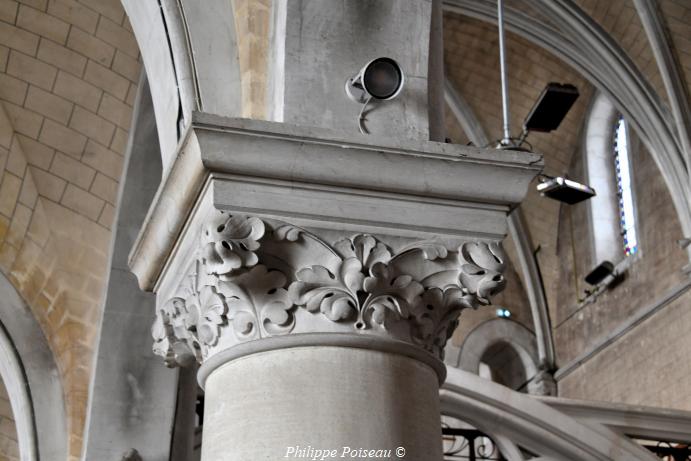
<point x="253" y="279"/>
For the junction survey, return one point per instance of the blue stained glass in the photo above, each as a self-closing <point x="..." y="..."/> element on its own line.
<point x="624" y="188"/>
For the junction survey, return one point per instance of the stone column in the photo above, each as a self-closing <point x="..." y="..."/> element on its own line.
<point x="316" y="279"/>
<point x="309" y="347"/>
<point x="313" y="272"/>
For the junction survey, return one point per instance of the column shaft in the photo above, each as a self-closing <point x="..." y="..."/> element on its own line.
<point x="271" y="405"/>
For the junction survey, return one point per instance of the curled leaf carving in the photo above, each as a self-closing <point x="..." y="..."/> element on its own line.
<point x="370" y="291"/>
<point x="364" y="289"/>
<point x="229" y="243"/>
<point x="172" y="338"/>
<point x="390" y="295"/>
<point x="436" y="317"/>
<point x="365" y="249"/>
<point x="257" y="299"/>
<point x="482" y="267"/>
<point x="186" y="328"/>
<point x="287" y="232"/>
<point x="430" y="250"/>
<point x="334" y="295"/>
<point x="206" y="314"/>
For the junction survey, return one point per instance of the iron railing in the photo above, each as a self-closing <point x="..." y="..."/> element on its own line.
<point x="469" y="444"/>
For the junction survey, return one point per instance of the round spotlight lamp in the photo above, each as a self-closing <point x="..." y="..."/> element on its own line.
<point x="381" y="78"/>
<point x="504" y="313"/>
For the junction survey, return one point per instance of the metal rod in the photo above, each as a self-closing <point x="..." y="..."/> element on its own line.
<point x="506" y="140"/>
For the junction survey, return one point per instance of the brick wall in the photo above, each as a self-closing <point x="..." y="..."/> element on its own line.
<point x="9" y="449"/>
<point x="68" y="73"/>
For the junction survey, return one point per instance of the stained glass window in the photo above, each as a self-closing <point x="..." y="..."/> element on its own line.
<point x="622" y="162"/>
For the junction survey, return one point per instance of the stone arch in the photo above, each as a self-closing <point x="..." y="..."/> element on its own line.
<point x="492" y="336"/>
<point x="175" y="40"/>
<point x="32" y="380"/>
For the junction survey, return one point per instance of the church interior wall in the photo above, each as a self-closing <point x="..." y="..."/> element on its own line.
<point x="472" y="65"/>
<point x="68" y="78"/>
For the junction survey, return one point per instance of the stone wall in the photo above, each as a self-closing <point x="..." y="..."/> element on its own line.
<point x="648" y="366"/>
<point x="9" y="449"/>
<point x="647" y="359"/>
<point x="654" y="271"/>
<point x="68" y="73"/>
<point x="620" y="19"/>
<point x="638" y="367"/>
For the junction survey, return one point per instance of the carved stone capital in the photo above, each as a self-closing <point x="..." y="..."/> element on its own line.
<point x="253" y="279"/>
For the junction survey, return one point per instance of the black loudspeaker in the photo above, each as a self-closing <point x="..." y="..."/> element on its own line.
<point x="551" y="107"/>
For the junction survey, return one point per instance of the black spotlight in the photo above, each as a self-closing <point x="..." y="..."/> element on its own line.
<point x="600" y="273"/>
<point x="551" y="107"/>
<point x="564" y="190"/>
<point x="381" y="78"/>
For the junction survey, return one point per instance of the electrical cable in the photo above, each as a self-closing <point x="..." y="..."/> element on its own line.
<point x="361" y="118"/>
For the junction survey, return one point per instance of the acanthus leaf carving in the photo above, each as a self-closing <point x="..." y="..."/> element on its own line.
<point x="335" y="296"/>
<point x="437" y="316"/>
<point x="362" y="285"/>
<point x="370" y="284"/>
<point x="431" y="250"/>
<point x="390" y="295"/>
<point x="287" y="232"/>
<point x="190" y="323"/>
<point x="207" y="312"/>
<point x="172" y="338"/>
<point x="364" y="289"/>
<point x="257" y="300"/>
<point x="482" y="267"/>
<point x="229" y="242"/>
<point x="225" y="287"/>
<point x="364" y="248"/>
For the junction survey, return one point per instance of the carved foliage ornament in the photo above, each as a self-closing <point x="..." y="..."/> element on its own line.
<point x="415" y="295"/>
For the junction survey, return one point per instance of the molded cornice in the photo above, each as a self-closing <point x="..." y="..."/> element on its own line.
<point x="469" y="190"/>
